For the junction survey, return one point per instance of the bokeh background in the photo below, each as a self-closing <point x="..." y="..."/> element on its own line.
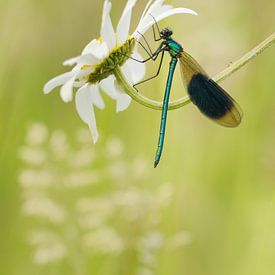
<point x="70" y="207"/>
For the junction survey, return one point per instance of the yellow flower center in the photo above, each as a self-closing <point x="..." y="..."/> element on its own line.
<point x="100" y="40"/>
<point x="85" y="66"/>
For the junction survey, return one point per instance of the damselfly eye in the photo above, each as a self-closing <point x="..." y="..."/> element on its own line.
<point x="166" y="32"/>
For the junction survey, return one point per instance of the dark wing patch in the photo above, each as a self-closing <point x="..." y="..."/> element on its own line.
<point x="213" y="101"/>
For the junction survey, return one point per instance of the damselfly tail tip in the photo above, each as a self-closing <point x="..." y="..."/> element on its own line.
<point x="156" y="163"/>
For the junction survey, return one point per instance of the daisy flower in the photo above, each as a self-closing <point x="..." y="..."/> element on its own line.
<point x="93" y="69"/>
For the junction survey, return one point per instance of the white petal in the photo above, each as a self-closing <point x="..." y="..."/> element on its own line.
<point x="71" y="61"/>
<point x="85" y="109"/>
<point x="82" y="72"/>
<point x="146" y="8"/>
<point x="96" y="97"/>
<point x="124" y="22"/>
<point x="144" y="27"/>
<point x="91" y="46"/>
<point x="79" y="83"/>
<point x="97" y="48"/>
<point x="108" y="86"/>
<point x="152" y="8"/>
<point x="123" y="102"/>
<point x="57" y="81"/>
<point x="66" y="91"/>
<point x="137" y="69"/>
<point x="89" y="59"/>
<point x="128" y="72"/>
<point x="102" y="51"/>
<point x="157" y="8"/>
<point x="87" y="55"/>
<point x="107" y="31"/>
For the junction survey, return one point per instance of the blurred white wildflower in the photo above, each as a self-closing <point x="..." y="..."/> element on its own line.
<point x="133" y="204"/>
<point x="35" y="178"/>
<point x="153" y="240"/>
<point x="94" y="212"/>
<point x="83" y="158"/>
<point x="37" y="134"/>
<point x="50" y="253"/>
<point x="101" y="205"/>
<point x="49" y="247"/>
<point x="91" y="221"/>
<point x="104" y="240"/>
<point x="165" y="193"/>
<point x="78" y="179"/>
<point x="118" y="172"/>
<point x="148" y="247"/>
<point x="179" y="240"/>
<point x="83" y="136"/>
<point x="33" y="156"/>
<point x="94" y="68"/>
<point x="59" y="144"/>
<point x="45" y="208"/>
<point x="140" y="168"/>
<point x="114" y="148"/>
<point x="91" y="202"/>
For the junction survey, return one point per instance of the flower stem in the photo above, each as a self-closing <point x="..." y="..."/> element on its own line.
<point x="245" y="59"/>
<point x="147" y="102"/>
<point x="186" y="100"/>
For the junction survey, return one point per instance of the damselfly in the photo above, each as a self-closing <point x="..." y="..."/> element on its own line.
<point x="211" y="99"/>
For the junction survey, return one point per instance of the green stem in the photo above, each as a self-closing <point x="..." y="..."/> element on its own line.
<point x="186" y="100"/>
<point x="245" y="59"/>
<point x="147" y="102"/>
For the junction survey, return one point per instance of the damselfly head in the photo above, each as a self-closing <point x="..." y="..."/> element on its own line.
<point x="165" y="33"/>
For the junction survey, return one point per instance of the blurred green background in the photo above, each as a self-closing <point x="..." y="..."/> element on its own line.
<point x="70" y="207"/>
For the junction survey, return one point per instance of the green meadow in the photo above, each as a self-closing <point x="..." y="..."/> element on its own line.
<point x="68" y="206"/>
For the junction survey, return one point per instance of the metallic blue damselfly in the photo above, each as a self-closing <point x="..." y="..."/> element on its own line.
<point x="211" y="99"/>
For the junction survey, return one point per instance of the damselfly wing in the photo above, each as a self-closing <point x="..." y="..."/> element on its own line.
<point x="211" y="99"/>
